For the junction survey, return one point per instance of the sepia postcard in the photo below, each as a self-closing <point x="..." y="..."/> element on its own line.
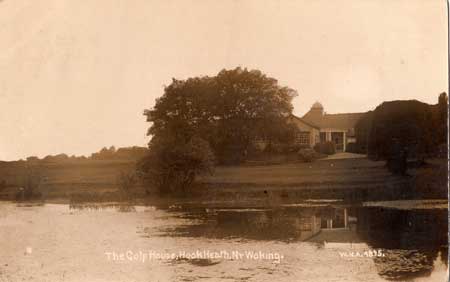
<point x="224" y="140"/>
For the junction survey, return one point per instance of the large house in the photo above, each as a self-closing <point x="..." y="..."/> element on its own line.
<point x="317" y="126"/>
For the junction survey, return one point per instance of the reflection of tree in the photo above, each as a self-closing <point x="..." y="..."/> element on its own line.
<point x="403" y="264"/>
<point x="411" y="239"/>
<point x="284" y="224"/>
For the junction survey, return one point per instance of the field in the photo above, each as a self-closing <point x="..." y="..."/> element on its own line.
<point x="61" y="180"/>
<point x="351" y="179"/>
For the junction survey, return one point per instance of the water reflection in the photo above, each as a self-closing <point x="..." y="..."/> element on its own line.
<point x="413" y="241"/>
<point x="286" y="223"/>
<point x="120" y="207"/>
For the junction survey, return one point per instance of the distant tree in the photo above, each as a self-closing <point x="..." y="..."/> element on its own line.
<point x="131" y="153"/>
<point x="229" y="110"/>
<point x="172" y="166"/>
<point x="61" y="157"/>
<point x="32" y="159"/>
<point x="104" y="153"/>
<point x="126" y="153"/>
<point x="56" y="158"/>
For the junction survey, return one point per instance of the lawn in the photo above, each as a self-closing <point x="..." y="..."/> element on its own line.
<point x="331" y="178"/>
<point x="319" y="173"/>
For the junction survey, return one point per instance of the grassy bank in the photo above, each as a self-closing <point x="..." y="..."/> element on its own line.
<point x="348" y="179"/>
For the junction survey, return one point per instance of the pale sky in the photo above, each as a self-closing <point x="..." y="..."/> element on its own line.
<point x="75" y="76"/>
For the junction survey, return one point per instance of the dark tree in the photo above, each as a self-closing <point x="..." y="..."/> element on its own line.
<point x="229" y="111"/>
<point x="407" y="124"/>
<point x="172" y="165"/>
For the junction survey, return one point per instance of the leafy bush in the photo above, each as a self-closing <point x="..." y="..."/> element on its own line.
<point x="172" y="166"/>
<point x="273" y="148"/>
<point x="407" y="124"/>
<point x="126" y="181"/>
<point x="357" y="148"/>
<point x="351" y="148"/>
<point x="292" y="148"/>
<point x="325" y="148"/>
<point x="306" y="155"/>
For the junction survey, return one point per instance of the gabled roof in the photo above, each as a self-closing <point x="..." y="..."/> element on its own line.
<point x="305" y="122"/>
<point x="338" y="121"/>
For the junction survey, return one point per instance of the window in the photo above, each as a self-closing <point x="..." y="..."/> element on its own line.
<point x="323" y="137"/>
<point x="303" y="138"/>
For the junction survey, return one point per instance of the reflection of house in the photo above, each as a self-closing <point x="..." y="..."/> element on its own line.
<point x="336" y="227"/>
<point x="333" y="218"/>
<point x="307" y="226"/>
<point x="329" y="219"/>
<point x="317" y="126"/>
<point x="287" y="222"/>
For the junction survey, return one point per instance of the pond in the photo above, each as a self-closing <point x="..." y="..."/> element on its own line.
<point x="310" y="241"/>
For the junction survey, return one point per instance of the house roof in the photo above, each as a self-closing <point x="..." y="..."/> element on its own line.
<point x="340" y="121"/>
<point x="305" y="122"/>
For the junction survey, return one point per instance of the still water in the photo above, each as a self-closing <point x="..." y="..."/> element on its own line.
<point x="311" y="241"/>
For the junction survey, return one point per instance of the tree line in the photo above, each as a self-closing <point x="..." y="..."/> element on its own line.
<point x="133" y="153"/>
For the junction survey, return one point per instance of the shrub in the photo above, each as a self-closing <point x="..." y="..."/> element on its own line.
<point x="306" y="155"/>
<point x="356" y="148"/>
<point x="351" y="148"/>
<point x="172" y="167"/>
<point x="412" y="125"/>
<point x="292" y="148"/>
<point x="126" y="181"/>
<point x="273" y="148"/>
<point x="325" y="148"/>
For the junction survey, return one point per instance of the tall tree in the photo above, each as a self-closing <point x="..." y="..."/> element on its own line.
<point x="229" y="110"/>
